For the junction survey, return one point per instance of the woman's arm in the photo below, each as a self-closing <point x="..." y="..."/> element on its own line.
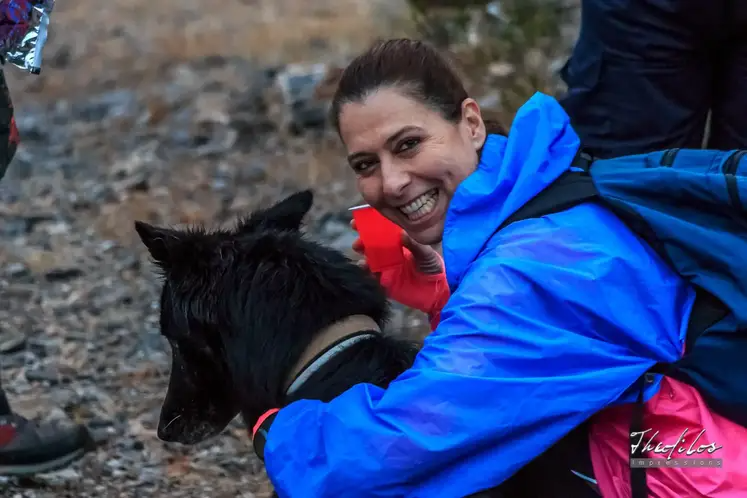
<point x="526" y="350"/>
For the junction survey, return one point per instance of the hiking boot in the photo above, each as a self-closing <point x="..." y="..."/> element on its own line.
<point x="27" y="448"/>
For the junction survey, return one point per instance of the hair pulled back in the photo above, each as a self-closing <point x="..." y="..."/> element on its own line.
<point x="413" y="67"/>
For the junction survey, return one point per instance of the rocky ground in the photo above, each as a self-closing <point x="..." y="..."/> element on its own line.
<point x="170" y="114"/>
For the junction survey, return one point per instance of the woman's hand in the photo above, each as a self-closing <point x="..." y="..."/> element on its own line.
<point x="419" y="283"/>
<point x="426" y="259"/>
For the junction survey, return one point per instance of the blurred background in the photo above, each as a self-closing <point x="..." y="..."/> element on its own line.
<point x="192" y="112"/>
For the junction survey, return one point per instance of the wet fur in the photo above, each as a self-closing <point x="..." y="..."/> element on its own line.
<point x="239" y="307"/>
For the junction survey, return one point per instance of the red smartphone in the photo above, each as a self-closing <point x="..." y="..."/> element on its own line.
<point x="382" y="239"/>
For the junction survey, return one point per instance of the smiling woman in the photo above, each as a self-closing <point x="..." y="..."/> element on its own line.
<point x="411" y="138"/>
<point x="550" y="325"/>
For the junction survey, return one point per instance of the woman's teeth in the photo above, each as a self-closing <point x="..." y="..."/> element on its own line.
<point x="420" y="206"/>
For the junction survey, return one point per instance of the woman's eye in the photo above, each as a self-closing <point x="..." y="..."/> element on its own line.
<point x="363" y="166"/>
<point x="408" y="144"/>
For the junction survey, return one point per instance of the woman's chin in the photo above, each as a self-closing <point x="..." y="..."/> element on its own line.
<point x="430" y="235"/>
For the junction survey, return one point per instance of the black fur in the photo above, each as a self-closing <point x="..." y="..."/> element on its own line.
<point x="239" y="307"/>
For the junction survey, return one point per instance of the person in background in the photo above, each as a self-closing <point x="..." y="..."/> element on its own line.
<point x="25" y="447"/>
<point x="644" y="75"/>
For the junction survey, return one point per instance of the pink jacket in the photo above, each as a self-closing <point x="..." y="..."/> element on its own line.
<point x="675" y="408"/>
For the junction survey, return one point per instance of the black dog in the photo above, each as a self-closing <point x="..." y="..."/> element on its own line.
<point x="241" y="308"/>
<point x="247" y="311"/>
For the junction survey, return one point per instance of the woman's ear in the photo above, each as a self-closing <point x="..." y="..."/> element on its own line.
<point x="473" y="122"/>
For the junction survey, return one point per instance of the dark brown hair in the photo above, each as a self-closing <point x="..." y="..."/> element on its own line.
<point x="415" y="68"/>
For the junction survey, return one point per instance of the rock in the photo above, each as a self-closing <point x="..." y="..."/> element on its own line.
<point x="21" y="225"/>
<point x="302" y="108"/>
<point x="136" y="161"/>
<point x="501" y="69"/>
<point x="63" y="274"/>
<point x="15" y="270"/>
<point x="60" y="477"/>
<point x="44" y="374"/>
<point x="335" y="231"/>
<point x="42" y="261"/>
<point x="214" y="139"/>
<point x="101" y="435"/>
<point x="57" y="416"/>
<point x="11" y="341"/>
<point x="97" y="108"/>
<point x="490" y="101"/>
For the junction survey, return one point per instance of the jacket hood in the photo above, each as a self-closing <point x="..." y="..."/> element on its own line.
<point x="512" y="170"/>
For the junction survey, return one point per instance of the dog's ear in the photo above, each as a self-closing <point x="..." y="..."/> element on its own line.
<point x="161" y="242"/>
<point x="287" y="214"/>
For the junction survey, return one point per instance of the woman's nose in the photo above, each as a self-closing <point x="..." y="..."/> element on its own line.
<point x="394" y="179"/>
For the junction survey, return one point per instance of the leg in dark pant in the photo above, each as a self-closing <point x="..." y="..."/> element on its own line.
<point x="729" y="113"/>
<point x="4" y="405"/>
<point x="27" y="448"/>
<point x="640" y="77"/>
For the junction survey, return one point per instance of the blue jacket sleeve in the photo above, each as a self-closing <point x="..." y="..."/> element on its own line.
<point x="529" y="346"/>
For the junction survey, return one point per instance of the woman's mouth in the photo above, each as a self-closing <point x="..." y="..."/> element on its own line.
<point x="420" y="207"/>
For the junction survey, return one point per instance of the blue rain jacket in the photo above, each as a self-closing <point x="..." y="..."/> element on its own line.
<point x="550" y="321"/>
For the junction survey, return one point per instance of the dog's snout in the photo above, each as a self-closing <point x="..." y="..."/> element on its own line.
<point x="164" y="434"/>
<point x="186" y="430"/>
<point x="169" y="429"/>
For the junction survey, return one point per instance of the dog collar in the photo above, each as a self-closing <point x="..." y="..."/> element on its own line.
<point x="323" y="357"/>
<point x="262" y="426"/>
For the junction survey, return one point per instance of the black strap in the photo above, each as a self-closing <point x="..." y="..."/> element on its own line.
<point x="730" y="168"/>
<point x="668" y="157"/>
<point x="638" y="485"/>
<point x="707" y="310"/>
<point x="570" y="189"/>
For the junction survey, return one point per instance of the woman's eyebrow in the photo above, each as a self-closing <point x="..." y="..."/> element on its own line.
<point x="397" y="135"/>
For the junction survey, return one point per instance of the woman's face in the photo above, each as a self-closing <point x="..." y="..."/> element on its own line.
<point x="408" y="159"/>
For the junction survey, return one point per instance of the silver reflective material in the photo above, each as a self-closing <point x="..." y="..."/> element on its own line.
<point x="24" y="33"/>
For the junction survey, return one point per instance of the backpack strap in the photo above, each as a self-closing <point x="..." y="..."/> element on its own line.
<point x="707" y="310"/>
<point x="638" y="484"/>
<point x="570" y="189"/>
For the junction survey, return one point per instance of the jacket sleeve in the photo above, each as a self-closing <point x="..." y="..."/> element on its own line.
<point x="525" y="351"/>
<point x="407" y="285"/>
